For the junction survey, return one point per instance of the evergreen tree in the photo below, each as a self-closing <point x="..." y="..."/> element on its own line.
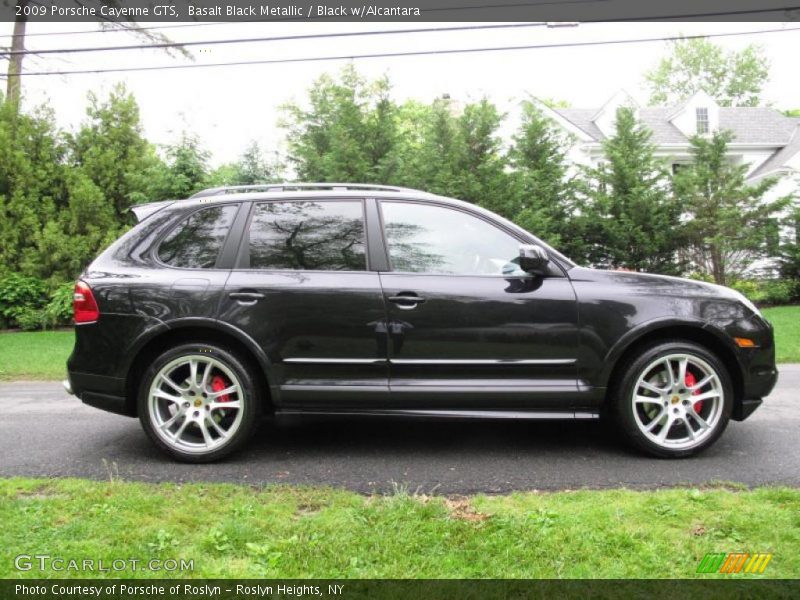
<point x="480" y="169"/>
<point x="790" y="250"/>
<point x="32" y="180"/>
<point x="630" y="219"/>
<point x="112" y="150"/>
<point x="454" y="152"/>
<point x="187" y="166"/>
<point x="253" y="167"/>
<point x="542" y="197"/>
<point x="729" y="220"/>
<point x="347" y="133"/>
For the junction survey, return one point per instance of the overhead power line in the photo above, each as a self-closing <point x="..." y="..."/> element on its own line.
<point x="407" y="53"/>
<point x="161" y="45"/>
<point x="279" y="38"/>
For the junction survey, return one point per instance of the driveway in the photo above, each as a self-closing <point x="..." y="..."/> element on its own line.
<point x="46" y="433"/>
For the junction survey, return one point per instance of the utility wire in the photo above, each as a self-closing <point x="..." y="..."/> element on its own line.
<point x="405" y="54"/>
<point x="162" y="45"/>
<point x="280" y="38"/>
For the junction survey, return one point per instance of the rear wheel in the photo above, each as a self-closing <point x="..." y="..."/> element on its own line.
<point x="198" y="402"/>
<point x="674" y="399"/>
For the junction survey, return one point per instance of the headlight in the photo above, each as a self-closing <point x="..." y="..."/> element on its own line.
<point x="743" y="299"/>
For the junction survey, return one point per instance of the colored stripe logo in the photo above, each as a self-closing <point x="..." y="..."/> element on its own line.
<point x="734" y="562"/>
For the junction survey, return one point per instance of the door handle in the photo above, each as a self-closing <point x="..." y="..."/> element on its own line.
<point x="406" y="301"/>
<point x="246" y="297"/>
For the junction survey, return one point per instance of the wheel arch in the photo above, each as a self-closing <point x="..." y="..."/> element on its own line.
<point x="196" y="330"/>
<point x="699" y="332"/>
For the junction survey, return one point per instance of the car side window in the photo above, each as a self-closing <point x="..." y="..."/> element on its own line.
<point x="306" y="235"/>
<point x="424" y="238"/>
<point x="196" y="241"/>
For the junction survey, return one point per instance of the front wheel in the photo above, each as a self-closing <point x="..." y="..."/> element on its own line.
<point x="674" y="399"/>
<point x="198" y="402"/>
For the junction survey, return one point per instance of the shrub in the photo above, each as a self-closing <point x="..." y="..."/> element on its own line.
<point x="29" y="318"/>
<point x="18" y="295"/>
<point x="777" y="291"/>
<point x="26" y="303"/>
<point x="58" y="311"/>
<point x="749" y="288"/>
<point x="769" y="291"/>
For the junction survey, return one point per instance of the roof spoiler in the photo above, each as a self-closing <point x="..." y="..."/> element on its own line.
<point x="142" y="211"/>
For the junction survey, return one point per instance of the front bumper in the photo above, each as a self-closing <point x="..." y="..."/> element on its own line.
<point x="759" y="372"/>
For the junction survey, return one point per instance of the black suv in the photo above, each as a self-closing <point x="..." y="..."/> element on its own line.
<point x="363" y="299"/>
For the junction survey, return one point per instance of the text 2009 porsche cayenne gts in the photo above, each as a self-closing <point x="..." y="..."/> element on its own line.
<point x="341" y="298"/>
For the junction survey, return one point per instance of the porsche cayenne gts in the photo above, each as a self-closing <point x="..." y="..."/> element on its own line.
<point x="245" y="302"/>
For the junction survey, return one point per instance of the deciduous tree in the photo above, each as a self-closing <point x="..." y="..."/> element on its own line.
<point x="734" y="78"/>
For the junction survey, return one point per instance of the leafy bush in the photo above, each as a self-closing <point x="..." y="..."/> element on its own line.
<point x="58" y="311"/>
<point x="29" y="318"/>
<point x="747" y="287"/>
<point x="769" y="291"/>
<point x="18" y="294"/>
<point x="25" y="302"/>
<point x="700" y="277"/>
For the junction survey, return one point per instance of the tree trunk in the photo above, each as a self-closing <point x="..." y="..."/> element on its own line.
<point x="14" y="83"/>
<point x="718" y="265"/>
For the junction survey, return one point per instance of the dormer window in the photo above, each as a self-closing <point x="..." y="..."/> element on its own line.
<point x="702" y="120"/>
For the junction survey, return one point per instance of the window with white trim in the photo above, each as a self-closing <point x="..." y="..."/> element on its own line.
<point x="702" y="120"/>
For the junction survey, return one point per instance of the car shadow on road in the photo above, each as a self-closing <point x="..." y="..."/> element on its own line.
<point x="354" y="436"/>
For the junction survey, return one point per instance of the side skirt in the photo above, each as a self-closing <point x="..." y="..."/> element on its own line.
<point x="448" y="414"/>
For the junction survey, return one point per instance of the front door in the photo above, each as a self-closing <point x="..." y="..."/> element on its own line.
<point x="303" y="291"/>
<point x="467" y="327"/>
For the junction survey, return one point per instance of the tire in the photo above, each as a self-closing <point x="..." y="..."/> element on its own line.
<point x="670" y="417"/>
<point x="206" y="421"/>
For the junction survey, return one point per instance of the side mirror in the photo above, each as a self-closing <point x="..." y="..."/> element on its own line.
<point x="533" y="259"/>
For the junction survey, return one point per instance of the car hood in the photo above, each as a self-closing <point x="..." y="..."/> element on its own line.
<point x="661" y="284"/>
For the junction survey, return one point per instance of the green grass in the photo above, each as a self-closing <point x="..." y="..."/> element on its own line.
<point x="35" y="355"/>
<point x="237" y="531"/>
<point x="786" y="320"/>
<point x="43" y="354"/>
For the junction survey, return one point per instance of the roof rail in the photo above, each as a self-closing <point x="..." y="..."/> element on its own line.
<point x="282" y="187"/>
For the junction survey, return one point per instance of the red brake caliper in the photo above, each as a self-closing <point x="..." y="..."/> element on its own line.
<point x="218" y="384"/>
<point x="689" y="381"/>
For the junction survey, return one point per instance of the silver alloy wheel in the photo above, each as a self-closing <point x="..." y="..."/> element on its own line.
<point x="671" y="413"/>
<point x="187" y="413"/>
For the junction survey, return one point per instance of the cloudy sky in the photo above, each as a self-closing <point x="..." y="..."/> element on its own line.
<point x="229" y="106"/>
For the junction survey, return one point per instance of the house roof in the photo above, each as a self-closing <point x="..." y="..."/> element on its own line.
<point x="750" y="125"/>
<point x="781" y="157"/>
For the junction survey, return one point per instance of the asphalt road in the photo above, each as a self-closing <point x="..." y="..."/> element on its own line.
<point x="46" y="433"/>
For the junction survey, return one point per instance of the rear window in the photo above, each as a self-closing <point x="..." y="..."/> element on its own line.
<point x="322" y="236"/>
<point x="195" y="242"/>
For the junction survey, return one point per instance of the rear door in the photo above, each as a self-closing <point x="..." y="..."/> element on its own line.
<point x="303" y="290"/>
<point x="467" y="327"/>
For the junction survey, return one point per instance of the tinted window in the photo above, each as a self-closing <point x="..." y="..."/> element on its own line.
<point x="196" y="241"/>
<point x="324" y="236"/>
<point x="432" y="239"/>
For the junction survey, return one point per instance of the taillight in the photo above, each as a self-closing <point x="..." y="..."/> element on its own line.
<point x="84" y="306"/>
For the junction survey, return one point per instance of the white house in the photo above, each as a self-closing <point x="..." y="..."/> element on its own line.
<point x="766" y="140"/>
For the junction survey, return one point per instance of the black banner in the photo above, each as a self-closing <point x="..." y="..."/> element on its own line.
<point x="394" y="589"/>
<point x="399" y="10"/>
